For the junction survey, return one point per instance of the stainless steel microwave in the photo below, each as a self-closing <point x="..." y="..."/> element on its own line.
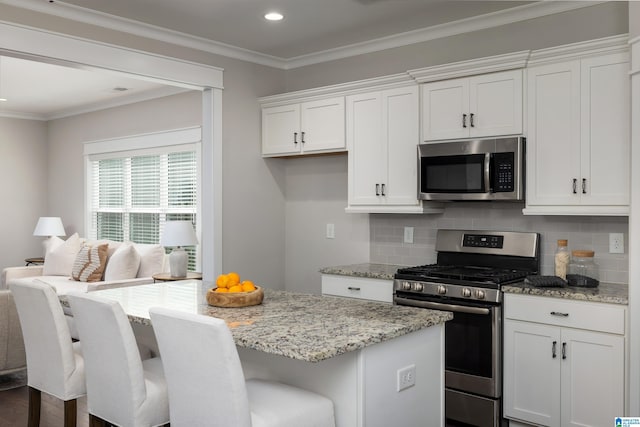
<point x="472" y="169"/>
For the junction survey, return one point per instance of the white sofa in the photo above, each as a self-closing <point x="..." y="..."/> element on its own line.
<point x="126" y="264"/>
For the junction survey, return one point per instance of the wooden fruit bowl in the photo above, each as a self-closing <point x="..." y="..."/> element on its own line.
<point x="236" y="299"/>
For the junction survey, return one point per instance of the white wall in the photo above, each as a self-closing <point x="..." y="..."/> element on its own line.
<point x="23" y="188"/>
<point x="316" y="196"/>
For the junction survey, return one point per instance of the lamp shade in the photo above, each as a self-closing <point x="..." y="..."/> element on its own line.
<point x="178" y="233"/>
<point x="49" y="226"/>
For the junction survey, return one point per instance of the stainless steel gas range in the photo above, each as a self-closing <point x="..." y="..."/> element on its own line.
<point x="471" y="267"/>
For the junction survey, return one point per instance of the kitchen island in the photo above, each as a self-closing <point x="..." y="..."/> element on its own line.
<point x="348" y="350"/>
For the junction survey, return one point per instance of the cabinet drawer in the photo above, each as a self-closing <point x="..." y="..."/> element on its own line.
<point x="358" y="287"/>
<point x="573" y="314"/>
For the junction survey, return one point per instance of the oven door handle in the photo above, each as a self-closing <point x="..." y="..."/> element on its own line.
<point x="442" y="306"/>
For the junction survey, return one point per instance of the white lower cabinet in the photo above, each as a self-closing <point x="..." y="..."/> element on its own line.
<point x="358" y="287"/>
<point x="563" y="361"/>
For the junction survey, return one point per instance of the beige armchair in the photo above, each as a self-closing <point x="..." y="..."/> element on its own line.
<point x="12" y="355"/>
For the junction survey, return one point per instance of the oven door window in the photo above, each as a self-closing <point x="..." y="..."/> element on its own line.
<point x="453" y="174"/>
<point x="469" y="344"/>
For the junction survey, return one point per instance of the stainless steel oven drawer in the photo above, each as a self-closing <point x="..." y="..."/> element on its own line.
<point x="471" y="409"/>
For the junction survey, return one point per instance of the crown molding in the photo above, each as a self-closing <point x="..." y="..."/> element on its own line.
<point x="23" y="116"/>
<point x="471" y="67"/>
<point x="350" y="88"/>
<point x="87" y="16"/>
<point x="606" y="45"/>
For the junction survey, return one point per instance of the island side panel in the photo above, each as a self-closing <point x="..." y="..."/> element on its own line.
<point x="363" y="384"/>
<point x="419" y="405"/>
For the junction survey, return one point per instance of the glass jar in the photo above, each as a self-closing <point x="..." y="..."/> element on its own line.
<point x="583" y="271"/>
<point x="561" y="259"/>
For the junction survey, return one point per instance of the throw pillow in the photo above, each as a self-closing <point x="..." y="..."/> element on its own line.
<point x="151" y="259"/>
<point x="58" y="261"/>
<point x="123" y="264"/>
<point x="90" y="263"/>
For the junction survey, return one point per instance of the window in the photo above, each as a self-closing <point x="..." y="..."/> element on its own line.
<point x="132" y="193"/>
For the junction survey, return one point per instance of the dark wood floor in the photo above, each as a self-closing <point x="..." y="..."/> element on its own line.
<point x="14" y="406"/>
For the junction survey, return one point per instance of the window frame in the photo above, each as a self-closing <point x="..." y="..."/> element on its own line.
<point x="177" y="140"/>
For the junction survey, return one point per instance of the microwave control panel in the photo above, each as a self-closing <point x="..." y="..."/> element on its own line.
<point x="503" y="172"/>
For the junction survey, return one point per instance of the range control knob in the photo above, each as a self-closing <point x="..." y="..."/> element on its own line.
<point x="480" y="294"/>
<point x="406" y="286"/>
<point x="418" y="287"/>
<point x="441" y="289"/>
<point x="466" y="292"/>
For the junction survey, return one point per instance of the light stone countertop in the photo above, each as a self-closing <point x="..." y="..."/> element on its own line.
<point x="295" y="325"/>
<point x="368" y="270"/>
<point x="613" y="293"/>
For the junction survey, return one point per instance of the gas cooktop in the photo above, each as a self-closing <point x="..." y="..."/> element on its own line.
<point x="461" y="273"/>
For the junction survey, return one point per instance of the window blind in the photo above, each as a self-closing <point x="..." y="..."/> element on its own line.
<point x="132" y="197"/>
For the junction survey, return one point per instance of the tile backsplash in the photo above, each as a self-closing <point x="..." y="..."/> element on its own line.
<point x="583" y="232"/>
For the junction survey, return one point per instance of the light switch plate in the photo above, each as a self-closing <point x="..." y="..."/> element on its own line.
<point x="408" y="234"/>
<point x="331" y="231"/>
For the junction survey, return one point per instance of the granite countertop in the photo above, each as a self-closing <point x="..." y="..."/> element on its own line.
<point x="369" y="270"/>
<point x="295" y="325"/>
<point x="613" y="293"/>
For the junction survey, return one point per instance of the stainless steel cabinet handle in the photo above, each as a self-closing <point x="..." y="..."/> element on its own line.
<point x="564" y="350"/>
<point x="352" y="288"/>
<point x="295" y="137"/>
<point x="558" y="313"/>
<point x="584" y="186"/>
<point x="302" y="137"/>
<point x="471" y="119"/>
<point x="382" y="194"/>
<point x="464" y="120"/>
<point x="575" y="186"/>
<point x="553" y="349"/>
<point x="377" y="189"/>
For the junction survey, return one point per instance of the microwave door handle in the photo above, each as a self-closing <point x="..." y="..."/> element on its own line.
<point x="487" y="173"/>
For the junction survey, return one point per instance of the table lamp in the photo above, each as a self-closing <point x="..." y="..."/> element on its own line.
<point x="178" y="234"/>
<point x="49" y="226"/>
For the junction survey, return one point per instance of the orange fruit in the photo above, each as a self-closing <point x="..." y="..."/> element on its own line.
<point x="236" y="288"/>
<point x="234" y="278"/>
<point x="248" y="286"/>
<point x="221" y="290"/>
<point x="222" y="281"/>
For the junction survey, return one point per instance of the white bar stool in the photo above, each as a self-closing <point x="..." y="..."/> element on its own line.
<point x="54" y="363"/>
<point x="122" y="389"/>
<point x="207" y="385"/>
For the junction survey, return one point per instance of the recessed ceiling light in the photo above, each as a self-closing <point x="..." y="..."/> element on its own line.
<point x="273" y="16"/>
<point x="3" y="99"/>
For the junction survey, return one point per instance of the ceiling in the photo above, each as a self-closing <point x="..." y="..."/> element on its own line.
<point x="309" y="27"/>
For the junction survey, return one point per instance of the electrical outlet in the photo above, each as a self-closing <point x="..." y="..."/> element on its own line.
<point x="406" y="377"/>
<point x="408" y="234"/>
<point x="616" y="243"/>
<point x="331" y="231"/>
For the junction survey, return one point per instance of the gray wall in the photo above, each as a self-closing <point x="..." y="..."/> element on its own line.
<point x="23" y="188"/>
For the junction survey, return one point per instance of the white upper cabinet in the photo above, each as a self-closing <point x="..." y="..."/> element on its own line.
<point x="578" y="142"/>
<point x="382" y="138"/>
<point x="478" y="106"/>
<point x="303" y="128"/>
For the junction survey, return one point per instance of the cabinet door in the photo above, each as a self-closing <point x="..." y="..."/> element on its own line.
<point x="400" y="126"/>
<point x="605" y="130"/>
<point x="592" y="378"/>
<point x="495" y="104"/>
<point x="281" y="130"/>
<point x="532" y="355"/>
<point x="365" y="144"/>
<point x="553" y="144"/>
<point x="322" y="125"/>
<point x="445" y="110"/>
